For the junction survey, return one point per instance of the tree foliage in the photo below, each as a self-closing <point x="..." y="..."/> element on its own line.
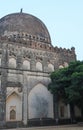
<point x="68" y="83"/>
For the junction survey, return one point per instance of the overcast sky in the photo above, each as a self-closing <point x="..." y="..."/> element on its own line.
<point x="63" y="18"/>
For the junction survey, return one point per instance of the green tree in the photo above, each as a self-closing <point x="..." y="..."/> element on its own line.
<point x="67" y="83"/>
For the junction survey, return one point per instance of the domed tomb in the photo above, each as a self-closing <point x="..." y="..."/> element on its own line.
<point x="22" y="23"/>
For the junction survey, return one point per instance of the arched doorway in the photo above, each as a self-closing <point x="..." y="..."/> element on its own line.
<point x="12" y="115"/>
<point x="40" y="102"/>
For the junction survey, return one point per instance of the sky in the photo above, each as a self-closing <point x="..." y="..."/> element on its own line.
<point x="63" y="18"/>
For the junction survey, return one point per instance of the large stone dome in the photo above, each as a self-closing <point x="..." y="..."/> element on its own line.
<point x="23" y="23"/>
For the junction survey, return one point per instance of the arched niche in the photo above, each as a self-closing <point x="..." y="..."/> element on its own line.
<point x="50" y="67"/>
<point x="40" y="102"/>
<point x="12" y="63"/>
<point x="12" y="114"/>
<point x="39" y="66"/>
<point x="13" y="105"/>
<point x="26" y="65"/>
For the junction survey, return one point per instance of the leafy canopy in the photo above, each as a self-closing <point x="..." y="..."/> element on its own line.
<point x="68" y="83"/>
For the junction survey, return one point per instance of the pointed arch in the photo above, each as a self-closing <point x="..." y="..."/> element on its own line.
<point x="50" y="67"/>
<point x="40" y="102"/>
<point x="26" y="65"/>
<point x="12" y="114"/>
<point x="39" y="66"/>
<point x="13" y="105"/>
<point x="12" y="63"/>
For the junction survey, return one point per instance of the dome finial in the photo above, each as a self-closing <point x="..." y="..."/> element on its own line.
<point x="21" y="10"/>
